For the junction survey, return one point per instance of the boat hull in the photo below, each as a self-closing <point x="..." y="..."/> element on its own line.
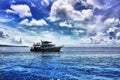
<point x="39" y="49"/>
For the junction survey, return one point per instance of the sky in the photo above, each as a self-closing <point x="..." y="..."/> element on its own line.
<point x="64" y="22"/>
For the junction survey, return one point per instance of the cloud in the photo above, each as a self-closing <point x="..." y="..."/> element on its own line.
<point x="78" y="32"/>
<point x="87" y="13"/>
<point x="112" y="29"/>
<point x="1" y="34"/>
<point x="112" y="22"/>
<point x="65" y="24"/>
<point x="5" y="20"/>
<point x="21" y="10"/>
<point x="10" y="11"/>
<point x="83" y="19"/>
<point x="12" y="1"/>
<point x="92" y="24"/>
<point x="32" y="4"/>
<point x="112" y="25"/>
<point x="12" y="38"/>
<point x="45" y="2"/>
<point x="65" y="10"/>
<point x="28" y="38"/>
<point x="59" y="39"/>
<point x="34" y="22"/>
<point x="95" y="3"/>
<point x="118" y="35"/>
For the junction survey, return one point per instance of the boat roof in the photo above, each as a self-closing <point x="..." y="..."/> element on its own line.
<point x="46" y="41"/>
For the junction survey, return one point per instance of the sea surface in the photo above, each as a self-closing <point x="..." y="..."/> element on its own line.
<point x="72" y="63"/>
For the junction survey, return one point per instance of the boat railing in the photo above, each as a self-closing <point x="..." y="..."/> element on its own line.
<point x="36" y="44"/>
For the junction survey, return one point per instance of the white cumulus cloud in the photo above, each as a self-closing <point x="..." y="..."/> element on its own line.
<point x="21" y="10"/>
<point x="65" y="10"/>
<point x="112" y="21"/>
<point x="34" y="22"/>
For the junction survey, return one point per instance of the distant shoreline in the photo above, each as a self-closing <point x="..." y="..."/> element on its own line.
<point x="3" y="45"/>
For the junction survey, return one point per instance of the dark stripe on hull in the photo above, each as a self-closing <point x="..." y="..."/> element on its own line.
<point x="56" y="49"/>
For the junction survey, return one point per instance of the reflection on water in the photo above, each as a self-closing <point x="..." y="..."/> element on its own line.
<point x="69" y="64"/>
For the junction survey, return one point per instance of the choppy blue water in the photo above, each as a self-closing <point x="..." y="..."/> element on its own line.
<point x="69" y="64"/>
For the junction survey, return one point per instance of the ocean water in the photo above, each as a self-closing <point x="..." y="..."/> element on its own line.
<point x="72" y="63"/>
